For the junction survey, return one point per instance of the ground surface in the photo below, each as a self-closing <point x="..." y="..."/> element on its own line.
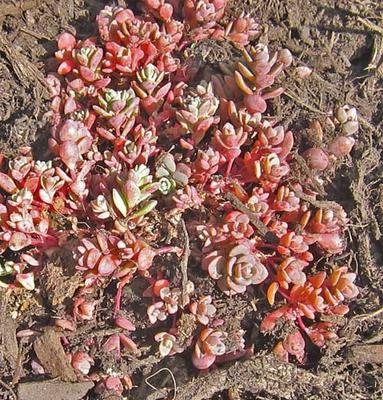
<point x="343" y="42"/>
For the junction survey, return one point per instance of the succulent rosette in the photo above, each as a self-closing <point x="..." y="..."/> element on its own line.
<point x="209" y="345"/>
<point x="118" y="107"/>
<point x="199" y="109"/>
<point x="235" y="268"/>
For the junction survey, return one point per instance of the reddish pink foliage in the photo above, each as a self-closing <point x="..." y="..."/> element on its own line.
<point x="141" y="134"/>
<point x="235" y="268"/>
<point x="209" y="345"/>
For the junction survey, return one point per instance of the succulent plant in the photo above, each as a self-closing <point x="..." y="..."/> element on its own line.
<point x="293" y="344"/>
<point x="130" y="199"/>
<point x="209" y="345"/>
<point x="203" y="309"/>
<point x="202" y="12"/>
<point x="242" y="30"/>
<point x="170" y="174"/>
<point x="97" y="254"/>
<point x="235" y="268"/>
<point x="258" y="72"/>
<point x="121" y="60"/>
<point x="118" y="107"/>
<point x="133" y="122"/>
<point x="168" y="345"/>
<point x="147" y="88"/>
<point x="157" y="312"/>
<point x="205" y="165"/>
<point x="198" y="113"/>
<point x="89" y="60"/>
<point x="159" y="8"/>
<point x="171" y="299"/>
<point x="228" y="142"/>
<point x="238" y="224"/>
<point x="347" y="117"/>
<point x="70" y="142"/>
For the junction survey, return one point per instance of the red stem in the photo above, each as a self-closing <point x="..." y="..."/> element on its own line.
<point x="229" y="166"/>
<point x="301" y="324"/>
<point x="285" y="295"/>
<point x="167" y="249"/>
<point x="121" y="285"/>
<point x="45" y="239"/>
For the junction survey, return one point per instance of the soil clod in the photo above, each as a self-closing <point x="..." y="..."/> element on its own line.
<point x="51" y="354"/>
<point x="53" y="390"/>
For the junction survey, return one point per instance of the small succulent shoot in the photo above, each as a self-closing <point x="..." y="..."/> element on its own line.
<point x="228" y="142"/>
<point x="166" y="186"/>
<point x="124" y="323"/>
<point x="7" y="184"/>
<point x="347" y="117"/>
<point x="170" y="174"/>
<point x="157" y="312"/>
<point x="198" y="114"/>
<point x="117" y="106"/>
<point x="203" y="309"/>
<point x="27" y="280"/>
<point x="168" y="345"/>
<point x="209" y="345"/>
<point x="235" y="268"/>
<point x="149" y="78"/>
<point x="132" y="197"/>
<point x="82" y="362"/>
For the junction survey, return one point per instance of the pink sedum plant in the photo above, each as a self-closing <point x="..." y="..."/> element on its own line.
<point x="139" y="130"/>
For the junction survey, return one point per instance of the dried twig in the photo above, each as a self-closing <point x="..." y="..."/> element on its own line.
<point x="95" y="333"/>
<point x="154" y="388"/>
<point x="297" y="100"/>
<point x="363" y="317"/>
<point x="370" y="25"/>
<point x="259" y="225"/>
<point x="353" y="322"/>
<point x="367" y="353"/>
<point x="317" y="203"/>
<point x="34" y="34"/>
<point x="19" y="363"/>
<point x="184" y="262"/>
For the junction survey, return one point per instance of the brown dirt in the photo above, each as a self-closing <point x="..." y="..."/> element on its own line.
<point x="342" y="40"/>
<point x="53" y="390"/>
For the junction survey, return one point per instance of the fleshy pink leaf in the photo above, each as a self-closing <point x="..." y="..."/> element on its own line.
<point x="26" y="280"/>
<point x="7" y="183"/>
<point x="124" y="323"/>
<point x="69" y="154"/>
<point x="106" y="265"/>
<point x="66" y="41"/>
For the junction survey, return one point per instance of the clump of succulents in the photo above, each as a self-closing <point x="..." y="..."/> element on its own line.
<point x="134" y="133"/>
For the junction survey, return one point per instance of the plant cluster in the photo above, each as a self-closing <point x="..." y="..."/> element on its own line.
<point x="137" y="127"/>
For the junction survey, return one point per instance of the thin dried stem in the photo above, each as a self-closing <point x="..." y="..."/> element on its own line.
<point x="184" y="262"/>
<point x="262" y="229"/>
<point x="171" y="375"/>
